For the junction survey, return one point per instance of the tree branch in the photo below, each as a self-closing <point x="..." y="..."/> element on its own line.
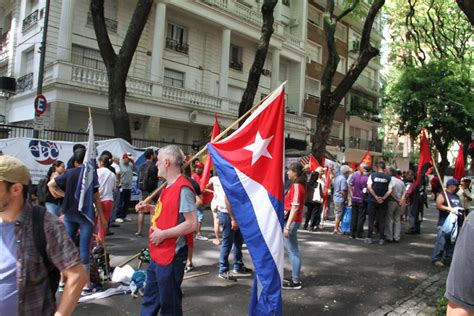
<point x="105" y="46"/>
<point x="348" y="10"/>
<point x="467" y="6"/>
<point x="135" y="29"/>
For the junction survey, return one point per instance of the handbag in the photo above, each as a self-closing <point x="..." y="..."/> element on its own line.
<point x="317" y="196"/>
<point x="346" y="220"/>
<point x="450" y="226"/>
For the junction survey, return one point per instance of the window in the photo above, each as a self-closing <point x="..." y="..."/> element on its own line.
<point x="235" y="61"/>
<point x="28" y="62"/>
<point x="177" y="38"/>
<point x="341" y="66"/>
<point x="355" y="43"/>
<point x="174" y="78"/>
<point x="87" y="57"/>
<point x="315" y="17"/>
<point x="341" y="32"/>
<point x="336" y="130"/>
<point x="313" y="87"/>
<point x="283" y="75"/>
<point x="314" y="53"/>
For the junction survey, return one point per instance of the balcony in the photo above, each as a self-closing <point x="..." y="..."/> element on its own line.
<point x="363" y="144"/>
<point x="30" y="21"/>
<point x="236" y="65"/>
<point x="24" y="83"/>
<point x="111" y="25"/>
<point x="177" y="46"/>
<point x="367" y="83"/>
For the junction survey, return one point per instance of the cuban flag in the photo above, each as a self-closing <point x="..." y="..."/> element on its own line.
<point x="85" y="186"/>
<point x="250" y="167"/>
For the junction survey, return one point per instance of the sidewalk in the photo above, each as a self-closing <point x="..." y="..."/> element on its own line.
<point x="340" y="275"/>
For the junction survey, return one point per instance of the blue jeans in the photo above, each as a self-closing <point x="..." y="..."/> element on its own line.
<point x="229" y="238"/>
<point x="73" y="223"/>
<point x="53" y="208"/>
<point x="200" y="214"/>
<point x="442" y="245"/>
<point x="291" y="245"/>
<point x="163" y="287"/>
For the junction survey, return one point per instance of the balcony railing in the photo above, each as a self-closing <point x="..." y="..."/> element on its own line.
<point x="177" y="46"/>
<point x="367" y="82"/>
<point x="4" y="41"/>
<point x="237" y="65"/>
<point x="364" y="144"/>
<point x="24" y="83"/>
<point x="30" y="21"/>
<point x="111" y="25"/>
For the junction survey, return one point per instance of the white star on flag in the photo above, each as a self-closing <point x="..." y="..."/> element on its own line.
<point x="259" y="148"/>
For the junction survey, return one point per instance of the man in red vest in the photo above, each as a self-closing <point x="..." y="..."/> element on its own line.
<point x="174" y="216"/>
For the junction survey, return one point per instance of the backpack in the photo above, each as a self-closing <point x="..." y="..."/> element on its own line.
<point x="40" y="244"/>
<point x="146" y="180"/>
<point x="42" y="190"/>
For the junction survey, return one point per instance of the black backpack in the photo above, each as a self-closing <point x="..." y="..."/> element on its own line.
<point x="40" y="244"/>
<point x="147" y="180"/>
<point x="42" y="190"/>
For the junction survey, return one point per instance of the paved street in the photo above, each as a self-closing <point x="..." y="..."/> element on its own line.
<point x="341" y="276"/>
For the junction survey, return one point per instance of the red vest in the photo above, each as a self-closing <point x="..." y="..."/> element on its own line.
<point x="165" y="217"/>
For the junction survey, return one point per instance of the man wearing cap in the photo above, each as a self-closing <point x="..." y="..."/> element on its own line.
<point x="358" y="189"/>
<point x="126" y="177"/>
<point x="379" y="186"/>
<point x="340" y="195"/>
<point x="465" y="193"/>
<point x="197" y="175"/>
<point x="24" y="287"/>
<point x="443" y="244"/>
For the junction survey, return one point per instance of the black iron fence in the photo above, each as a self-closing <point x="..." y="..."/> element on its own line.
<point x="30" y="20"/>
<point x="12" y="131"/>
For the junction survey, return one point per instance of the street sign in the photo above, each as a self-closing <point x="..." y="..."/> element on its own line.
<point x="38" y="123"/>
<point x="41" y="104"/>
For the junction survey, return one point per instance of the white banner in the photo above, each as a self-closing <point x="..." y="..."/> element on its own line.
<point x="38" y="154"/>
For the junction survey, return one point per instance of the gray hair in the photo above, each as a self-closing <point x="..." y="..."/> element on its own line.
<point x="393" y="171"/>
<point x="174" y="153"/>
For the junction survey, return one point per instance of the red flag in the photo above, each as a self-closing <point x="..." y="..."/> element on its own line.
<point x="206" y="173"/>
<point x="353" y="166"/>
<point x="367" y="159"/>
<point x="425" y="156"/>
<point x="327" y="185"/>
<point x="459" y="170"/>
<point x="313" y="163"/>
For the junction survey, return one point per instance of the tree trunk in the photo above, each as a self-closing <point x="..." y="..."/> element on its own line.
<point x="329" y="101"/>
<point x="260" y="56"/>
<point x="118" y="110"/>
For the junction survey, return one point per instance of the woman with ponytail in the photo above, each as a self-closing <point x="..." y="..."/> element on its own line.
<point x="106" y="189"/>
<point x="294" y="204"/>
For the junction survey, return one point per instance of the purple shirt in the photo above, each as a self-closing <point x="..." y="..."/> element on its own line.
<point x="358" y="182"/>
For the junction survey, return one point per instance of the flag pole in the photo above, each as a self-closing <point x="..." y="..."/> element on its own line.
<point x="216" y="139"/>
<point x="441" y="182"/>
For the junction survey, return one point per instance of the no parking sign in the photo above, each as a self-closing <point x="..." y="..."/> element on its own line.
<point x="41" y="104"/>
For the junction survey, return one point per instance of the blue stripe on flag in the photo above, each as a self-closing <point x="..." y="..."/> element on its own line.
<point x="270" y="301"/>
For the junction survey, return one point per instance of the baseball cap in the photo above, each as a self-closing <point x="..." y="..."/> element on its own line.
<point x="199" y="164"/>
<point x="128" y="156"/>
<point x="466" y="179"/>
<point x="452" y="182"/>
<point x="13" y="170"/>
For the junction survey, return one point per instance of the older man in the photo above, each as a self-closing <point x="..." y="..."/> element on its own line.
<point x="340" y="195"/>
<point x="174" y="217"/>
<point x="27" y="264"/>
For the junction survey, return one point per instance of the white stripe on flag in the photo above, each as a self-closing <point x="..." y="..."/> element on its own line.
<point x="266" y="217"/>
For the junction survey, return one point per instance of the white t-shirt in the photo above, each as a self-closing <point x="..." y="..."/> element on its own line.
<point x="107" y="184"/>
<point x="219" y="194"/>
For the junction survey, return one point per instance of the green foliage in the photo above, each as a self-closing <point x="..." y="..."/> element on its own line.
<point x="441" y="303"/>
<point x="423" y="30"/>
<point x="438" y="96"/>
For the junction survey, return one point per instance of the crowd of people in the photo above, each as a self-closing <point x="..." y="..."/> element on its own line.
<point x="382" y="197"/>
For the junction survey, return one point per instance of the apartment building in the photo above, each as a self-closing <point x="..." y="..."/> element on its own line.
<point x="353" y="127"/>
<point x="192" y="61"/>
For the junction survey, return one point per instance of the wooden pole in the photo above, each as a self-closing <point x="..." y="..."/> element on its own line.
<point x="216" y="139"/>
<point x="441" y="182"/>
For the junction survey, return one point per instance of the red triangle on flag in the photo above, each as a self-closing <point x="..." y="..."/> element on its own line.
<point x="313" y="163"/>
<point x="367" y="159"/>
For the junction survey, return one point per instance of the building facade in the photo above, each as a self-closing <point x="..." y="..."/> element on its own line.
<point x="192" y="61"/>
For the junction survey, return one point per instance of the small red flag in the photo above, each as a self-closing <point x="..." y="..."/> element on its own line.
<point x="327" y="185"/>
<point x="425" y="155"/>
<point x="313" y="163"/>
<point x="206" y="173"/>
<point x="367" y="159"/>
<point x="459" y="170"/>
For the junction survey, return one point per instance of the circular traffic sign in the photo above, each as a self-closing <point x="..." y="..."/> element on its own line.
<point x="41" y="104"/>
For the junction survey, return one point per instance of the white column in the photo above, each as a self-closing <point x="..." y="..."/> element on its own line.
<point x="65" y="30"/>
<point x="224" y="73"/>
<point x="158" y="43"/>
<point x="275" y="67"/>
